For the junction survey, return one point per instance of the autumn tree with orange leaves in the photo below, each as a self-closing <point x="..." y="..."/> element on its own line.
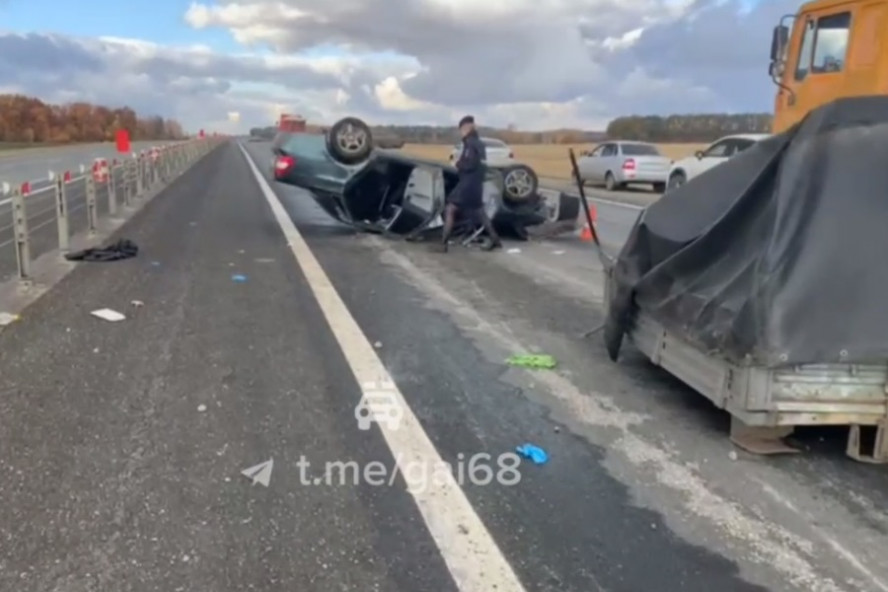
<point x="29" y="120"/>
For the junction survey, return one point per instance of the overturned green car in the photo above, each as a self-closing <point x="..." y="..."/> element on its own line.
<point x="379" y="190"/>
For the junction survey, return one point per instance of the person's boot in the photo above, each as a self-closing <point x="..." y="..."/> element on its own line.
<point x="494" y="243"/>
<point x="441" y="247"/>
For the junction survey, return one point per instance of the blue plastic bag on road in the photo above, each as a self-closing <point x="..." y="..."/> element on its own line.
<point x="534" y="453"/>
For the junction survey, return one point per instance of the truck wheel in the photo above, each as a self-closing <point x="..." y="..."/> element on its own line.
<point x="677" y="179"/>
<point x="349" y="141"/>
<point x="520" y="184"/>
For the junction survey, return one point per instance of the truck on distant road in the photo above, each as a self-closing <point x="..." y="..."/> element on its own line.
<point x="292" y="123"/>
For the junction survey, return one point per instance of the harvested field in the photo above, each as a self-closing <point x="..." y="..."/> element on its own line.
<point x="548" y="160"/>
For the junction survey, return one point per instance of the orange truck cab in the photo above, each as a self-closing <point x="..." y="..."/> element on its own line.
<point x="829" y="50"/>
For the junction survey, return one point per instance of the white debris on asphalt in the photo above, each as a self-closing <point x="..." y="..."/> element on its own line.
<point x="377" y="344"/>
<point x="6" y="318"/>
<point x="558" y="252"/>
<point x="108" y="315"/>
<point x="513" y="251"/>
<point x="137" y="303"/>
<point x="201" y="408"/>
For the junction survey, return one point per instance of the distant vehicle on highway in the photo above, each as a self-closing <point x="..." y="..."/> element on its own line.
<point x="718" y="152"/>
<point x="621" y="163"/>
<point x="498" y="152"/>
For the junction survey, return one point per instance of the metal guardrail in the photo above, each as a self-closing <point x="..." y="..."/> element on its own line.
<point x="29" y="207"/>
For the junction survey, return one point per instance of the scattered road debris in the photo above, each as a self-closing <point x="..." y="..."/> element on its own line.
<point x="513" y="251"/>
<point x="201" y="407"/>
<point x="137" y="303"/>
<point x="532" y="361"/>
<point x="558" y="252"/>
<point x="377" y="344"/>
<point x="122" y="249"/>
<point x="260" y="473"/>
<point x="534" y="453"/>
<point x="237" y="277"/>
<point x="108" y="315"/>
<point x="7" y="318"/>
<point x="264" y="260"/>
<point x="155" y="263"/>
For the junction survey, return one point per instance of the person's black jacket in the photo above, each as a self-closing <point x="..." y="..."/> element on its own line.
<point x="469" y="191"/>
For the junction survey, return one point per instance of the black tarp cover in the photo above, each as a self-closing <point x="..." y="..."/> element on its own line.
<point x="777" y="257"/>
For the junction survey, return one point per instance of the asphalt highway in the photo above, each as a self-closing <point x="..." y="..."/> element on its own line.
<point x="122" y="445"/>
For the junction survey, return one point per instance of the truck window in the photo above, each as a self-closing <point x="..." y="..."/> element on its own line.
<point x="831" y="43"/>
<point x="805" y="51"/>
<point x="824" y="45"/>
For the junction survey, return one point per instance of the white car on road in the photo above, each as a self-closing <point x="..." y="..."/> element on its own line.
<point x="718" y="152"/>
<point x="498" y="152"/>
<point x="619" y="163"/>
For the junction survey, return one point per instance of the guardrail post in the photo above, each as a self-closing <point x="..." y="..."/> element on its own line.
<point x="139" y="171"/>
<point x="125" y="181"/>
<point x="91" y="211"/>
<point x="62" y="213"/>
<point x="22" y="240"/>
<point x="112" y="192"/>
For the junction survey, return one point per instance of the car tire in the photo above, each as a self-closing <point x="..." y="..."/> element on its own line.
<point x="676" y="179"/>
<point x="660" y="187"/>
<point x="350" y="141"/>
<point x="520" y="184"/>
<point x="609" y="182"/>
<point x="568" y="207"/>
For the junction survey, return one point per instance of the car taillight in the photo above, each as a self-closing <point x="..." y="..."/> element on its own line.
<point x="629" y="164"/>
<point x="283" y="164"/>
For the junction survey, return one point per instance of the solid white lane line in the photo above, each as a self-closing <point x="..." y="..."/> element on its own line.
<point x="472" y="556"/>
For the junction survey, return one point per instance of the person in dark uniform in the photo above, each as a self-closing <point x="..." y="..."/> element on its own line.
<point x="467" y="197"/>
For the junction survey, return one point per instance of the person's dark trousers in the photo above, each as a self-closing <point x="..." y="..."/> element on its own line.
<point x="479" y="216"/>
<point x="449" y="220"/>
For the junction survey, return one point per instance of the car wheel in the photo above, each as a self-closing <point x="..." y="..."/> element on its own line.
<point x="349" y="141"/>
<point x="677" y="180"/>
<point x="520" y="184"/>
<point x="609" y="182"/>
<point x="660" y="187"/>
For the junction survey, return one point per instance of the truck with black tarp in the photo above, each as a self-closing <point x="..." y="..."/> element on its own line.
<point x="762" y="283"/>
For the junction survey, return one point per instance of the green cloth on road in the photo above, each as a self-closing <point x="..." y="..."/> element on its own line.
<point x="532" y="361"/>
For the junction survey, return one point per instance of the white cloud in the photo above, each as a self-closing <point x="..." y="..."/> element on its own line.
<point x="532" y="63"/>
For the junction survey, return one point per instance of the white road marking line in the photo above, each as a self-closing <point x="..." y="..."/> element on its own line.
<point x="620" y="204"/>
<point x="472" y="556"/>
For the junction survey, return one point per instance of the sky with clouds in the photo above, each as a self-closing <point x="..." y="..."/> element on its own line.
<point x="537" y="64"/>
